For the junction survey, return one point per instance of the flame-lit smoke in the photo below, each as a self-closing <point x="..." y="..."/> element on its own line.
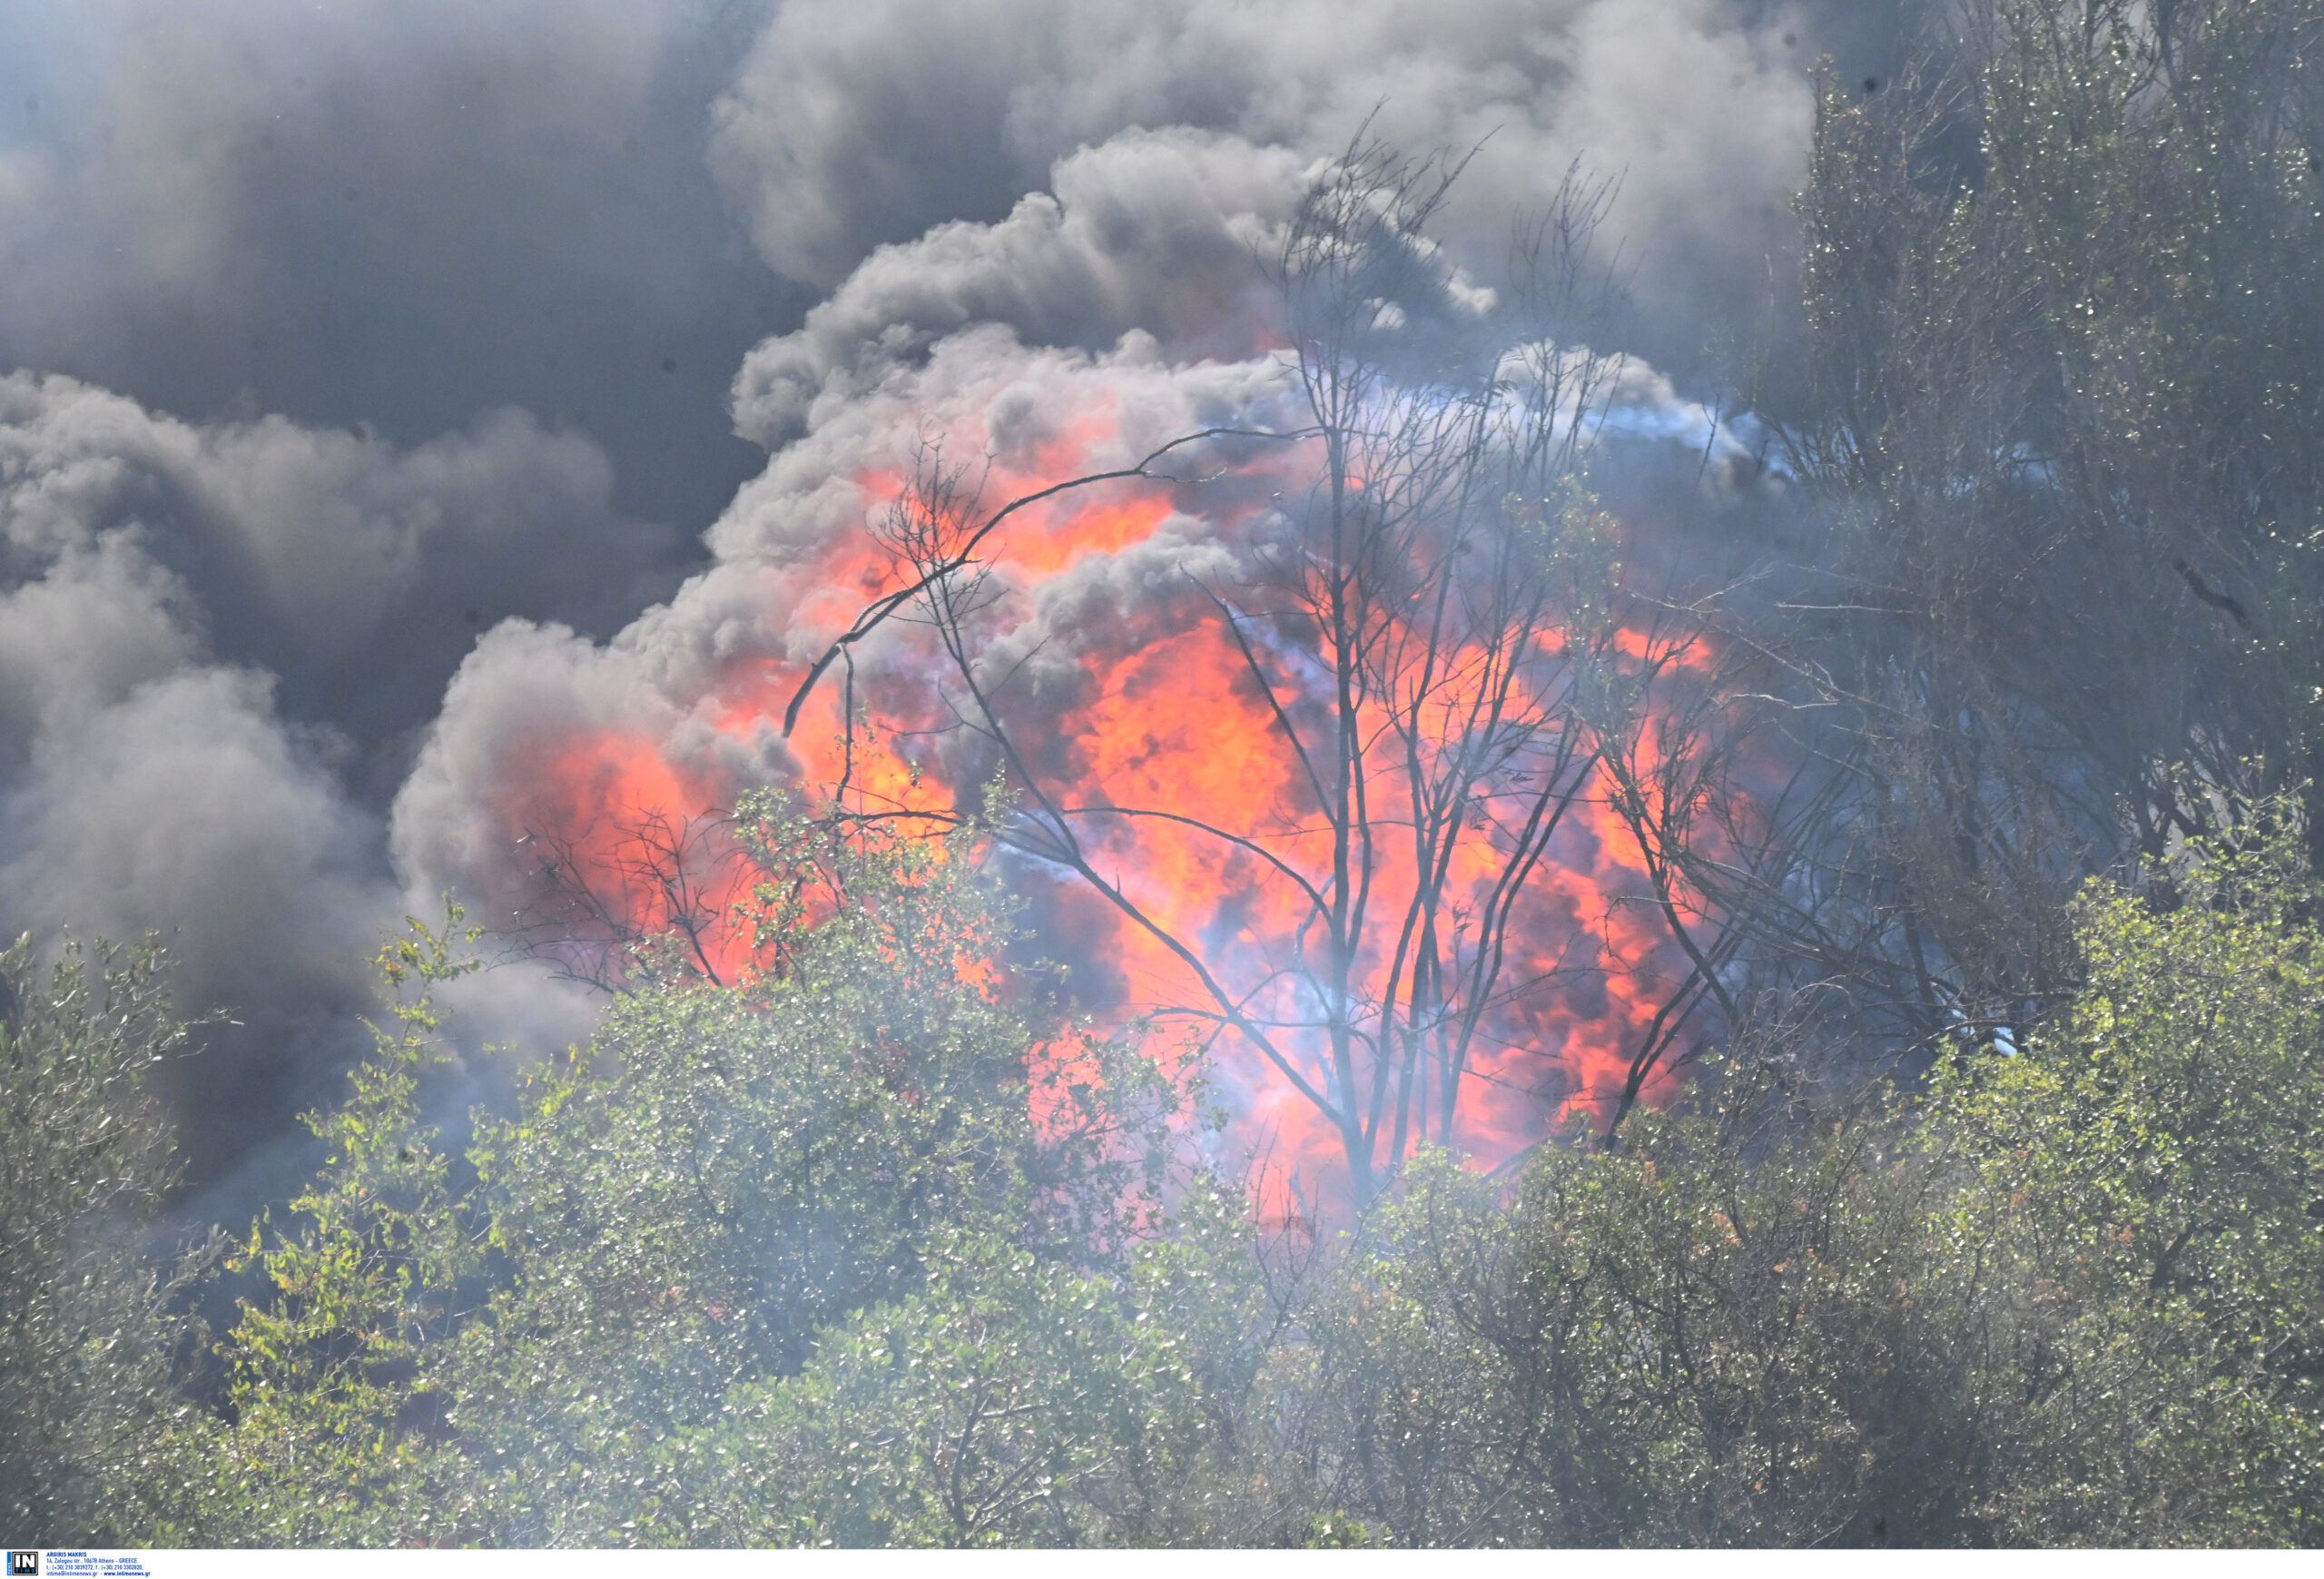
<point x="1121" y="679"/>
<point x="371" y="222"/>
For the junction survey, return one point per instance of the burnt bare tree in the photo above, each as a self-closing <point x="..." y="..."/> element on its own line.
<point x="644" y="898"/>
<point x="1440" y="636"/>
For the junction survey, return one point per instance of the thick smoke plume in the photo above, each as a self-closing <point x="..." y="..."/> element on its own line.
<point x="198" y="622"/>
<point x="838" y="136"/>
<point x="366" y="347"/>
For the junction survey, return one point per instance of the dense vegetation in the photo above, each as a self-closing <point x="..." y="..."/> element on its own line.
<point x="832" y="1257"/>
<point x="1995" y="1214"/>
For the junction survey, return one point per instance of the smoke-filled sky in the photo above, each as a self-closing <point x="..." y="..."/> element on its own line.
<point x="394" y="394"/>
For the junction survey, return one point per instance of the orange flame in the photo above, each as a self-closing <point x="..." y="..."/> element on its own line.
<point x="1168" y="718"/>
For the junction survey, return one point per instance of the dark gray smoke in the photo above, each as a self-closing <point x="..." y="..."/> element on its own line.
<point x="390" y="214"/>
<point x="376" y="348"/>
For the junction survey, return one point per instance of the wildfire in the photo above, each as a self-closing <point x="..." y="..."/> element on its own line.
<point x="1159" y="737"/>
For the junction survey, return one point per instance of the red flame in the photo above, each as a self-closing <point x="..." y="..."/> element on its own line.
<point x="1167" y="716"/>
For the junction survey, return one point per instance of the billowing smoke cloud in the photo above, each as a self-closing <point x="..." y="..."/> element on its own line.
<point x="377" y="346"/>
<point x="392" y="321"/>
<point x="392" y="214"/>
<point x="186" y="609"/>
<point x="1156" y="231"/>
<point x="974" y="341"/>
<point x="857" y="124"/>
<point x="667" y="691"/>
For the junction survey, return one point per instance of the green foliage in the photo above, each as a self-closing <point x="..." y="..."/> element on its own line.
<point x="2065" y="301"/>
<point x="978" y="1411"/>
<point x="707" y="1228"/>
<point x="86" y="1337"/>
<point x="2069" y="1294"/>
<point x="337" y="1388"/>
<point x="858" y="1253"/>
<point x="700" y="1203"/>
<point x="1695" y="1338"/>
<point x="2150" y="1186"/>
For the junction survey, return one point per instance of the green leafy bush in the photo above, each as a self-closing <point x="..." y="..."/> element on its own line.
<point x="88" y="1334"/>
